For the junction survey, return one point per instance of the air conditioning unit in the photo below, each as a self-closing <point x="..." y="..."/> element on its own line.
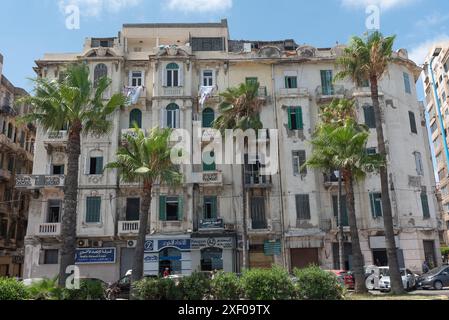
<point x="131" y="243"/>
<point x="96" y="244"/>
<point x="83" y="243"/>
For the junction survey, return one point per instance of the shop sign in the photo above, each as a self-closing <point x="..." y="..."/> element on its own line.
<point x="95" y="255"/>
<point x="272" y="248"/>
<point x="201" y="243"/>
<point x="211" y="224"/>
<point x="181" y="244"/>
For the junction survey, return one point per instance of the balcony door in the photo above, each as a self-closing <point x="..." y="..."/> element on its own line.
<point x="132" y="209"/>
<point x="327" y="82"/>
<point x="54" y="211"/>
<point x="258" y="217"/>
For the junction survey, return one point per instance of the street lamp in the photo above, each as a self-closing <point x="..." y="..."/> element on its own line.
<point x="435" y="54"/>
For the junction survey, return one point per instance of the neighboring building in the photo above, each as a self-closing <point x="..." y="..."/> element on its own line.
<point x="436" y="87"/>
<point x="16" y="157"/>
<point x="198" y="226"/>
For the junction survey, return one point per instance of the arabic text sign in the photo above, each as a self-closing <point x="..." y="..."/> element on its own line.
<point x="95" y="256"/>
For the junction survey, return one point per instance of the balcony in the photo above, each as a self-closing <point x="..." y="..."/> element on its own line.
<point x="5" y="175"/>
<point x="256" y="180"/>
<point x="173" y="91"/>
<point x="56" y="138"/>
<point x="325" y="94"/>
<point x="212" y="178"/>
<point x="48" y="230"/>
<point x="293" y="92"/>
<point x="25" y="181"/>
<point x="128" y="228"/>
<point x="211" y="225"/>
<point x="129" y="133"/>
<point x="331" y="181"/>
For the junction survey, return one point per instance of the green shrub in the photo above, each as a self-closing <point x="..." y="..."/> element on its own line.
<point x="89" y="290"/>
<point x="226" y="286"/>
<point x="445" y="251"/>
<point x="316" y="284"/>
<point x="271" y="284"/>
<point x="11" y="289"/>
<point x="46" y="289"/>
<point x="156" y="289"/>
<point x="194" y="287"/>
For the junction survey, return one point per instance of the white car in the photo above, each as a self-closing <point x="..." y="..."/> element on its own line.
<point x="408" y="280"/>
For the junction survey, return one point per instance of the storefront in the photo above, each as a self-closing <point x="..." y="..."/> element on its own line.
<point x="379" y="250"/>
<point x="213" y="253"/>
<point x="164" y="252"/>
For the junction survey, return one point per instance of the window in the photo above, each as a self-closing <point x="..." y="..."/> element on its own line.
<point x="11" y="164"/>
<point x="425" y="205"/>
<point x="419" y="164"/>
<point x="371" y="151"/>
<point x="208" y="44"/>
<point x="299" y="159"/>
<point x="135" y="118"/>
<point x="93" y="209"/>
<point x="132" y="209"/>
<point x="54" y="211"/>
<point x="172" y="114"/>
<point x="258" y="217"/>
<point x="376" y="204"/>
<point x="327" y="82"/>
<point x="96" y="166"/>
<point x="252" y="80"/>
<point x="10" y="130"/>
<point x="58" y="169"/>
<point x="345" y="219"/>
<point x="446" y="67"/>
<point x="408" y="88"/>
<point x="208" y="78"/>
<point x="51" y="256"/>
<point x="411" y="117"/>
<point x="172" y="75"/>
<point x="291" y="82"/>
<point x="100" y="71"/>
<point x="295" y="120"/>
<point x="370" y="119"/>
<point x="303" y="207"/>
<point x="211" y="259"/>
<point x="170" y="208"/>
<point x="210" y="207"/>
<point x="208" y="117"/>
<point x="209" y="162"/>
<point x="136" y="79"/>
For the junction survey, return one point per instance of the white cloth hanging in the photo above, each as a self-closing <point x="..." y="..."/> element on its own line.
<point x="204" y="93"/>
<point x="133" y="94"/>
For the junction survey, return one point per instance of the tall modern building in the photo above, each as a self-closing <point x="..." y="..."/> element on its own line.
<point x="165" y="68"/>
<point x="16" y="157"/>
<point x="436" y="87"/>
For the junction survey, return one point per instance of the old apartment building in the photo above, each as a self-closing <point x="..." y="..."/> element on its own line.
<point x="436" y="86"/>
<point x="16" y="157"/>
<point x="164" y="68"/>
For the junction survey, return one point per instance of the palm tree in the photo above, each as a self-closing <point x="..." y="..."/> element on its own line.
<point x="146" y="160"/>
<point x="74" y="103"/>
<point x="366" y="61"/>
<point x="344" y="147"/>
<point x="240" y="109"/>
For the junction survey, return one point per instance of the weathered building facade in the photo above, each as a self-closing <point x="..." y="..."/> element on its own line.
<point x="197" y="227"/>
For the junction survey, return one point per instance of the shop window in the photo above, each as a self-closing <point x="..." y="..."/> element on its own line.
<point x="170" y="258"/>
<point x="211" y="259"/>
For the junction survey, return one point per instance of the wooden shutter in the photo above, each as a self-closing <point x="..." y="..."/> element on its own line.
<point x="93" y="208"/>
<point x="299" y="119"/>
<point x="99" y="168"/>
<point x="214" y="207"/>
<point x="180" y="208"/>
<point x="413" y="128"/>
<point x="425" y="205"/>
<point x="289" y="115"/>
<point x="162" y="208"/>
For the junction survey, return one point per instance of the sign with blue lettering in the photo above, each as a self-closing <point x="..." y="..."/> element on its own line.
<point x="151" y="258"/>
<point x="149" y="245"/>
<point x="272" y="248"/>
<point x="95" y="255"/>
<point x="181" y="244"/>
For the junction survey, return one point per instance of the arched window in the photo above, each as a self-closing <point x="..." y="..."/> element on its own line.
<point x="135" y="117"/>
<point x="208" y="117"/>
<point x="172" y="72"/>
<point x="101" y="70"/>
<point x="173" y="120"/>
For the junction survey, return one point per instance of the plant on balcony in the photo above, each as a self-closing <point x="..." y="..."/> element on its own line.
<point x="240" y="109"/>
<point x="342" y="146"/>
<point x="76" y="102"/>
<point x="146" y="160"/>
<point x="367" y="60"/>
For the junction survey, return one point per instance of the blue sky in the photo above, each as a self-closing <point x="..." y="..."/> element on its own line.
<point x="30" y="27"/>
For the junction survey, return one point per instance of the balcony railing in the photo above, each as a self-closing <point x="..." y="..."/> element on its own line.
<point x="330" y="92"/>
<point x="286" y="92"/>
<point x="256" y="180"/>
<point x="56" y="137"/>
<point x="364" y="91"/>
<point x="40" y="181"/>
<point x="173" y="91"/>
<point x="128" y="227"/>
<point x="211" y="224"/>
<point x="48" y="230"/>
<point x="331" y="180"/>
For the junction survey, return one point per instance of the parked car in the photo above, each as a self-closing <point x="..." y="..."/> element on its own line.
<point x="437" y="278"/>
<point x="346" y="278"/>
<point x="408" y="280"/>
<point x="122" y="288"/>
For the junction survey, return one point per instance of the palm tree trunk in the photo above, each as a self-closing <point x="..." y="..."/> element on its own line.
<point x="341" y="243"/>
<point x="244" y="223"/>
<point x="357" y="256"/>
<point x="69" y="216"/>
<point x="396" y="280"/>
<point x="143" y="228"/>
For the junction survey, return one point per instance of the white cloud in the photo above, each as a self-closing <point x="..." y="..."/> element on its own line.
<point x="432" y="20"/>
<point x="93" y="8"/>
<point x="420" y="51"/>
<point x="200" y="5"/>
<point x="383" y="4"/>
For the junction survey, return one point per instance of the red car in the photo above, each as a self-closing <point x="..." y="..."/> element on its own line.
<point x="345" y="277"/>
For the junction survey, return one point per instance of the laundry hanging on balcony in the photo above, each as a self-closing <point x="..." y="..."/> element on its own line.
<point x="133" y="94"/>
<point x="204" y="94"/>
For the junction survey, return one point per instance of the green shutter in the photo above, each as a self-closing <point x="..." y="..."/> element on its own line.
<point x="99" y="168"/>
<point x="181" y="208"/>
<point x="93" y="208"/>
<point x="162" y="208"/>
<point x="299" y="119"/>
<point x="289" y="114"/>
<point x="214" y="207"/>
<point x="208" y="118"/>
<point x="286" y="83"/>
<point x="425" y="205"/>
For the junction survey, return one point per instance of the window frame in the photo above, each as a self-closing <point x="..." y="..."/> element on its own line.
<point x="376" y="196"/>
<point x="407" y="83"/>
<point x="299" y="158"/>
<point x="136" y="81"/>
<point x="98" y="163"/>
<point x="173" y="79"/>
<point x="45" y="257"/>
<point x="291" y="82"/>
<point x="296" y="114"/>
<point x="412" y="120"/>
<point x="90" y="215"/>
<point x="303" y="212"/>
<point x="209" y="78"/>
